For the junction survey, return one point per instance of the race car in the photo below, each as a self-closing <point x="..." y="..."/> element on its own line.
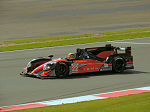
<point x="96" y="59"/>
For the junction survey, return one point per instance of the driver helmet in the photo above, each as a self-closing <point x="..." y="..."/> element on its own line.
<point x="71" y="56"/>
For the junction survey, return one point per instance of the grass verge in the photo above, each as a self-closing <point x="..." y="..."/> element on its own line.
<point x="73" y="39"/>
<point x="46" y="39"/>
<point x="131" y="103"/>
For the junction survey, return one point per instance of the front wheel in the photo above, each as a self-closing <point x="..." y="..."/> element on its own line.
<point x="61" y="70"/>
<point x="118" y="64"/>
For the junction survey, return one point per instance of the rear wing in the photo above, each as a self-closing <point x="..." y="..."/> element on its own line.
<point x="128" y="51"/>
<point x="107" y="47"/>
<point x="125" y="50"/>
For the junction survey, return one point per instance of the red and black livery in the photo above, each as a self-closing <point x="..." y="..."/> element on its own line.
<point x="107" y="58"/>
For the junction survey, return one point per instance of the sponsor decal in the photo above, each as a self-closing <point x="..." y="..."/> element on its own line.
<point x="106" y="67"/>
<point x="91" y="49"/>
<point x="90" y="69"/>
<point x="74" y="67"/>
<point x="82" y="65"/>
<point x="129" y="65"/>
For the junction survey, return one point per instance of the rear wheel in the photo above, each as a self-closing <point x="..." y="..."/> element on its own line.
<point x="61" y="70"/>
<point x="118" y="64"/>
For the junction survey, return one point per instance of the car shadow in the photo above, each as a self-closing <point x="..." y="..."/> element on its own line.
<point x="93" y="74"/>
<point x="107" y="73"/>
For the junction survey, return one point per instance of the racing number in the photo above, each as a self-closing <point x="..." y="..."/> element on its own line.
<point x="75" y="68"/>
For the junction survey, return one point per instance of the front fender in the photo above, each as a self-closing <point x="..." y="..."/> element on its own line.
<point x="33" y="64"/>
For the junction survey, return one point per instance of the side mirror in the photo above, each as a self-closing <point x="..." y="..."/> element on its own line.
<point x="51" y="56"/>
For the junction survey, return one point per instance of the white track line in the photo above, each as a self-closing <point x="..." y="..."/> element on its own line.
<point x="81" y="44"/>
<point x="77" y="99"/>
<point x="129" y="42"/>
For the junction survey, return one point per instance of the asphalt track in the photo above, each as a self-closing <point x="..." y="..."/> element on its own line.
<point x="22" y="19"/>
<point x="15" y="89"/>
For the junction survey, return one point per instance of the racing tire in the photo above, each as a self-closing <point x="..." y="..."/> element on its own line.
<point x="118" y="64"/>
<point x="61" y="70"/>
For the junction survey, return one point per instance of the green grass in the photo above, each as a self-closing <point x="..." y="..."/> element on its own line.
<point x="131" y="103"/>
<point x="74" y="39"/>
<point x="46" y="39"/>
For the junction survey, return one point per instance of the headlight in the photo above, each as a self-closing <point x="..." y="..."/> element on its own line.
<point x="49" y="66"/>
<point x="29" y="65"/>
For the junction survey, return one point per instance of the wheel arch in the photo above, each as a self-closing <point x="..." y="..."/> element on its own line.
<point x="36" y="62"/>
